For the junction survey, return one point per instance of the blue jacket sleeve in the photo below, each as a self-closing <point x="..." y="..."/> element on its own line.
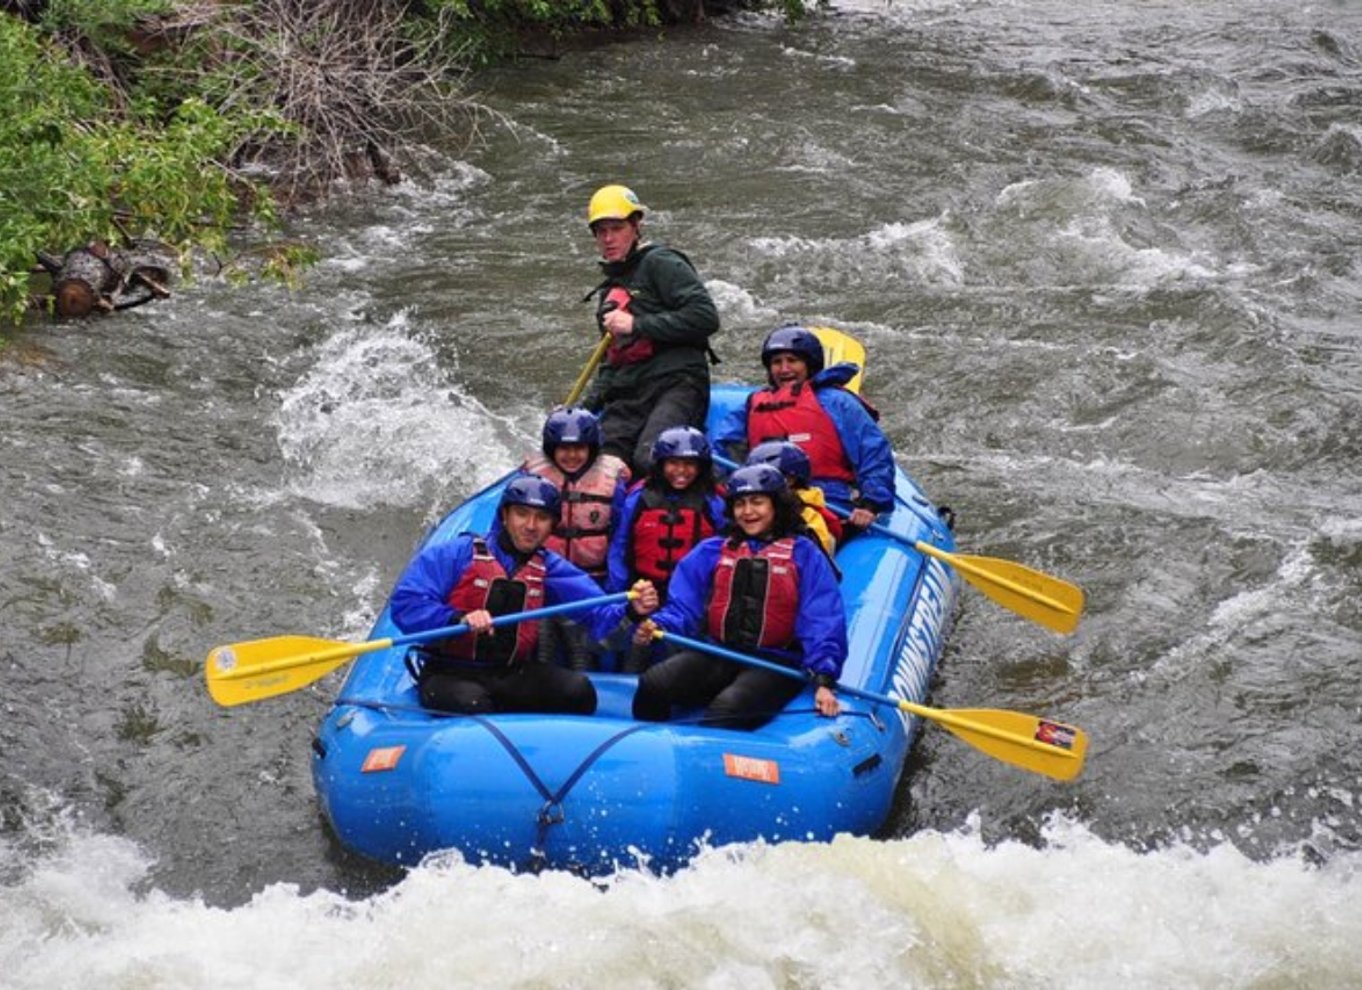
<point x="730" y="434"/>
<point x="821" y="625"/>
<point x="419" y="602"/>
<point x="716" y="514"/>
<point x="617" y="557"/>
<point x="617" y="504"/>
<point x="565" y="582"/>
<point x="865" y="444"/>
<point x="684" y="612"/>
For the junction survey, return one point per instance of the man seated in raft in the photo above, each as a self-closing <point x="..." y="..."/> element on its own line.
<point x="471" y="579"/>
<point x="764" y="588"/>
<point x="807" y="404"/>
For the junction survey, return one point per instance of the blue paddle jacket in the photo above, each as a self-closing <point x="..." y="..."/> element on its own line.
<point x="421" y="599"/>
<point x="820" y="621"/>
<point x="866" y="446"/>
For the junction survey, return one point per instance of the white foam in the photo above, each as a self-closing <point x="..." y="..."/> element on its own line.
<point x="738" y="306"/>
<point x="925" y="249"/>
<point x="935" y="909"/>
<point x="378" y="420"/>
<point x="822" y="59"/>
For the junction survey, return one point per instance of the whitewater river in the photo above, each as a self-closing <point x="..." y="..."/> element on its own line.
<point x="1107" y="261"/>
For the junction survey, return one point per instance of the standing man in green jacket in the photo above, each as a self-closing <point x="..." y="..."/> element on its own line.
<point x="659" y="316"/>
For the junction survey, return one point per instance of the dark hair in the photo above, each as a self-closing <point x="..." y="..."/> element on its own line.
<point x="683" y="443"/>
<point x="789" y="519"/>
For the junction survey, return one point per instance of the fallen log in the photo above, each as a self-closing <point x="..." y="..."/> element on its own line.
<point x="95" y="277"/>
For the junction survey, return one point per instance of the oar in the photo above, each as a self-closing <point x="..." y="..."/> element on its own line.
<point x="1049" y="601"/>
<point x="839" y="347"/>
<point x="589" y="369"/>
<point x="262" y="668"/>
<point x="1036" y="744"/>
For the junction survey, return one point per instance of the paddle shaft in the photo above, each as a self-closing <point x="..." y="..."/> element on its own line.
<point x="727" y="654"/>
<point x="588" y="370"/>
<point x="343" y="650"/>
<point x="944" y="717"/>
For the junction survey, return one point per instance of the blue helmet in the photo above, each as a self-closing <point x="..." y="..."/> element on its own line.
<point x="784" y="456"/>
<point x="756" y="479"/>
<point x="573" y="424"/>
<point x="534" y="491"/>
<point x="681" y="443"/>
<point x="794" y="339"/>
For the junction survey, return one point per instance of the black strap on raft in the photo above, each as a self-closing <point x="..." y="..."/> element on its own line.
<point x="551" y="812"/>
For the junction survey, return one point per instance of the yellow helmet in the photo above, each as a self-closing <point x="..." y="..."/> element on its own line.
<point x="613" y="203"/>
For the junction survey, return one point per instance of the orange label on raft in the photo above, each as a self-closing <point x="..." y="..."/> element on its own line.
<point x="750" y="768"/>
<point x="382" y="759"/>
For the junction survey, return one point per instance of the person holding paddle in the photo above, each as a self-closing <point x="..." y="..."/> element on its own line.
<point x="803" y="402"/>
<point x="471" y="580"/>
<point x="764" y="588"/>
<point x="658" y="317"/>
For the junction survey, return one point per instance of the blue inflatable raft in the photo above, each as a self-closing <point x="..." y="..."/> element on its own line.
<point x="595" y="793"/>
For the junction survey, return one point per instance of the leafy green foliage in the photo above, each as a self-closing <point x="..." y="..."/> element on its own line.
<point x="490" y="29"/>
<point x="105" y="23"/>
<point x="72" y="171"/>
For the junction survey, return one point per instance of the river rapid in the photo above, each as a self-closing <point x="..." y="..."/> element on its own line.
<point x="1105" y="260"/>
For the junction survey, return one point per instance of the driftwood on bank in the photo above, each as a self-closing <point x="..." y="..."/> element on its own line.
<point x="97" y="277"/>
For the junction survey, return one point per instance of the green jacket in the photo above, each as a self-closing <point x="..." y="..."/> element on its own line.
<point x="672" y="308"/>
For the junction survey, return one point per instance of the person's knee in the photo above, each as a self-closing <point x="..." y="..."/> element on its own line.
<point x="650" y="702"/>
<point x="736" y="708"/>
<point x="440" y="694"/>
<point x="581" y="699"/>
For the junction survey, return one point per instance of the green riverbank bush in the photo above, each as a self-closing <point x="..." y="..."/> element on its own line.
<point x="188" y="121"/>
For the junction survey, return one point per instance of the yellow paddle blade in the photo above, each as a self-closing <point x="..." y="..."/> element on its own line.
<point x="1036" y="744"/>
<point x="839" y="346"/>
<point x="263" y="668"/>
<point x="1049" y="601"/>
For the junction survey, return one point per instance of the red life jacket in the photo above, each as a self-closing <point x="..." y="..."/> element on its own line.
<point x="582" y="533"/>
<point x="484" y="584"/>
<point x="793" y="413"/>
<point x="633" y="349"/>
<point x="755" y="596"/>
<point x="664" y="530"/>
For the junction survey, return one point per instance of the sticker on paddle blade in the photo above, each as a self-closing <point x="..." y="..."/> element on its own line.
<point x="381" y="759"/>
<point x="224" y="659"/>
<point x="1055" y="734"/>
<point x="750" y="768"/>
